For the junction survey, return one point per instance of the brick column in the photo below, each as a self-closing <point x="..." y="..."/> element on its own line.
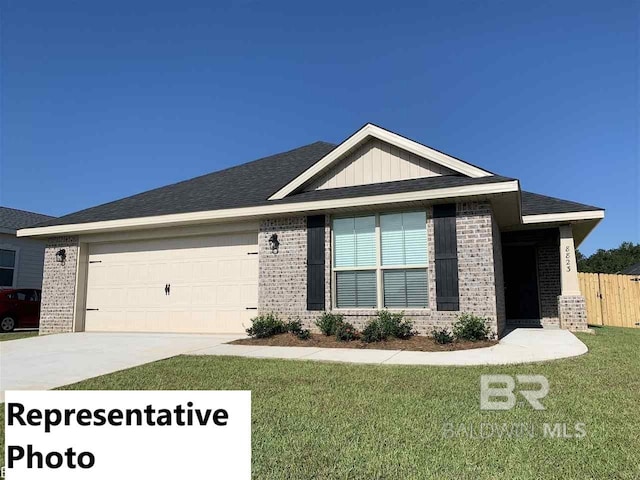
<point x="572" y="310"/>
<point x="59" y="286"/>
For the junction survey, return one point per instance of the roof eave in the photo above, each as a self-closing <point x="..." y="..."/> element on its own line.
<point x="250" y="213"/>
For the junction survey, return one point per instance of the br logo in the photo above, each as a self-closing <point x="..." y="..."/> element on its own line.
<point x="497" y="391"/>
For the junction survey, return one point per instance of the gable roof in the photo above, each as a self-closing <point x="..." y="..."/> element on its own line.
<point x="367" y="132"/>
<point x="632" y="270"/>
<point x="247" y="191"/>
<point x="14" y="219"/>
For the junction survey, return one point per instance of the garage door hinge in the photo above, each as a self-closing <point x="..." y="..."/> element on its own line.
<point x="92" y="309"/>
<point x="95" y="261"/>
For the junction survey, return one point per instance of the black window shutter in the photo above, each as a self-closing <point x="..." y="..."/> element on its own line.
<point x="446" y="251"/>
<point x="315" y="262"/>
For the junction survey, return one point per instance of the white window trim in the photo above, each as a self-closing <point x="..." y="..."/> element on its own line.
<point x="16" y="262"/>
<point x="379" y="268"/>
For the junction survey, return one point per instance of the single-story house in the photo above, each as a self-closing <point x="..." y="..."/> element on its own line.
<point x="21" y="259"/>
<point x="378" y="221"/>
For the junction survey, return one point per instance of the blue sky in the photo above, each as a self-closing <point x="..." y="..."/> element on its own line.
<point x="100" y="100"/>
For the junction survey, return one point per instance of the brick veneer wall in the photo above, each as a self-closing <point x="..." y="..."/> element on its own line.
<point x="573" y="312"/>
<point x="549" y="283"/>
<point x="498" y="268"/>
<point x="59" y="286"/>
<point x="283" y="280"/>
<point x="282" y="284"/>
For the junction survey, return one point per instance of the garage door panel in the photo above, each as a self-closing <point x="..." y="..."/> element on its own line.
<point x="213" y="281"/>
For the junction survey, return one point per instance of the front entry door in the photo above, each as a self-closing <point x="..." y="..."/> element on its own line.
<point x="521" y="283"/>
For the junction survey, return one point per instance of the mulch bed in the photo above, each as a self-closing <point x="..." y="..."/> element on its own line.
<point x="416" y="343"/>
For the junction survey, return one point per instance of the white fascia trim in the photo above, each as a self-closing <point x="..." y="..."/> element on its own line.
<point x="264" y="210"/>
<point x="370" y="130"/>
<point x="563" y="217"/>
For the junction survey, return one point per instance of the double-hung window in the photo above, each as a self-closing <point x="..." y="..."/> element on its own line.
<point x="380" y="261"/>
<point x="7" y="267"/>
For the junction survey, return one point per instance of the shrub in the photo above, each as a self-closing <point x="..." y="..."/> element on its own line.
<point x="295" y="328"/>
<point x="471" y="327"/>
<point x="266" y="325"/>
<point x="387" y="325"/>
<point x="372" y="331"/>
<point x="345" y="332"/>
<point x="395" y="325"/>
<point x="442" y="336"/>
<point x="328" y="322"/>
<point x="303" y="334"/>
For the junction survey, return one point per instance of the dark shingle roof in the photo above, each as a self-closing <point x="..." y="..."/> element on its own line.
<point x="632" y="270"/>
<point x="400" y="186"/>
<point x="245" y="185"/>
<point x="13" y="219"/>
<point x="536" y="204"/>
<point x="251" y="184"/>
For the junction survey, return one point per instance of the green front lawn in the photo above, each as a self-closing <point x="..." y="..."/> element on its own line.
<point x="17" y="335"/>
<point x="323" y="420"/>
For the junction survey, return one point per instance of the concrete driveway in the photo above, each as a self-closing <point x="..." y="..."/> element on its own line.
<point x="46" y="362"/>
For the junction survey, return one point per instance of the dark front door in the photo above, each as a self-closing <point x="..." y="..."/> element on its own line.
<point x="521" y="282"/>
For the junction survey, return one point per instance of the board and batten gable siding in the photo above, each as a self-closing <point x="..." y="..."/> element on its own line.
<point x="29" y="259"/>
<point x="376" y="162"/>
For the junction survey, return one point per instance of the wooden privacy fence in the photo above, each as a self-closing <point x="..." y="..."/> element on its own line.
<point x="611" y="299"/>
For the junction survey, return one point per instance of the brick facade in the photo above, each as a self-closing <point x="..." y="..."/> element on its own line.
<point x="501" y="307"/>
<point x="573" y="312"/>
<point x="549" y="283"/>
<point x="282" y="286"/>
<point x="59" y="286"/>
<point x="283" y="276"/>
<point x="283" y="280"/>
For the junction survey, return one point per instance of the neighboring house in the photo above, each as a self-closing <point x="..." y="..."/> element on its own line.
<point x="632" y="270"/>
<point x="21" y="259"/>
<point x="378" y="221"/>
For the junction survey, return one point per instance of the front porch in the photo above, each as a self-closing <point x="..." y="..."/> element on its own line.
<point x="540" y="279"/>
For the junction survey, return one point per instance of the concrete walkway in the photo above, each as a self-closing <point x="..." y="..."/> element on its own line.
<point x="522" y="345"/>
<point x="50" y="361"/>
<point x="42" y="363"/>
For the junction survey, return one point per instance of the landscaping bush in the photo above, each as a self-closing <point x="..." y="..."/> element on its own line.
<point x="345" y="332"/>
<point x="387" y="325"/>
<point x="266" y="325"/>
<point x="471" y="327"/>
<point x="372" y="331"/>
<point x="328" y="322"/>
<point x="442" y="335"/>
<point x="304" y="334"/>
<point x="395" y="325"/>
<point x="295" y="328"/>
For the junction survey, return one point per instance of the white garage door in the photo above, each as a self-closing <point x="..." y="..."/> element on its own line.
<point x="190" y="284"/>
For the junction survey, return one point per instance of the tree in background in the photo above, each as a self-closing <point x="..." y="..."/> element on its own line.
<point x="609" y="261"/>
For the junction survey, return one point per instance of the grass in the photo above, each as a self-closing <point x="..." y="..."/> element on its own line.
<point x="17" y="335"/>
<point x="316" y="420"/>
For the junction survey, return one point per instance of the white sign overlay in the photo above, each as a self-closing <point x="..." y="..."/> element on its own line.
<point x="220" y="448"/>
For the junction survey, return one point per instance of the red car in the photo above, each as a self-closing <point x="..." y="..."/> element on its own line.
<point x="19" y="308"/>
